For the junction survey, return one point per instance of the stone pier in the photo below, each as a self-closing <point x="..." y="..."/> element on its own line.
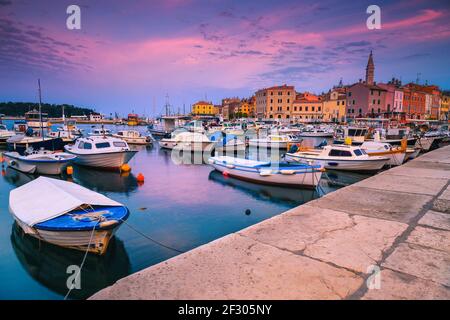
<point x="391" y="230"/>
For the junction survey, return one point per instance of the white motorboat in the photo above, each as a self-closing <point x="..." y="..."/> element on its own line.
<point x="339" y="157"/>
<point x="66" y="214"/>
<point x="39" y="162"/>
<point x="227" y="143"/>
<point x="22" y="142"/>
<point x="66" y="136"/>
<point x="101" y="152"/>
<point x="283" y="174"/>
<point x="5" y="134"/>
<point x="274" y="141"/>
<point x="133" y="137"/>
<point x="100" y="132"/>
<point x="314" y="132"/>
<point x="187" y="142"/>
<point x="395" y="154"/>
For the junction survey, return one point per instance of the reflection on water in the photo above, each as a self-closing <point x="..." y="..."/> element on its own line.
<point x="266" y="192"/>
<point x="343" y="178"/>
<point x="48" y="264"/>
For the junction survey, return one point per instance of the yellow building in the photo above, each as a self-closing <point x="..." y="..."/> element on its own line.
<point x="307" y="107"/>
<point x="443" y="111"/>
<point x="204" y="108"/>
<point x="275" y="102"/>
<point x="334" y="106"/>
<point x="247" y="107"/>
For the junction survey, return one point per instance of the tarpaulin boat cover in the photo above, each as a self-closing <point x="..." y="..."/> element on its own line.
<point x="44" y="198"/>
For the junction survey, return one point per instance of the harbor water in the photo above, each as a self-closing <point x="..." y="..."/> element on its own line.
<point x="176" y="209"/>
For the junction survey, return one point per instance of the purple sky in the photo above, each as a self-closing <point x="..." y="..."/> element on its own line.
<point x="131" y="53"/>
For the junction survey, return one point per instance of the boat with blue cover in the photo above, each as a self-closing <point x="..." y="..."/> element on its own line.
<point x="66" y="214"/>
<point x="266" y="172"/>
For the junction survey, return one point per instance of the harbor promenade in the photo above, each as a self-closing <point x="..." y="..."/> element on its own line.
<point x="392" y="230"/>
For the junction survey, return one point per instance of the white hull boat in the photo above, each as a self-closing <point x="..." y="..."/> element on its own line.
<point x="40" y="162"/>
<point x="301" y="175"/>
<point x="133" y="137"/>
<point x="188" y="142"/>
<point x="339" y="157"/>
<point x="274" y="141"/>
<point x="66" y="214"/>
<point x="396" y="155"/>
<point x="101" y="152"/>
<point x="5" y="134"/>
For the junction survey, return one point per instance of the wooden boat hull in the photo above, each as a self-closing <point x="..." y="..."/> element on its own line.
<point x="78" y="240"/>
<point x="309" y="179"/>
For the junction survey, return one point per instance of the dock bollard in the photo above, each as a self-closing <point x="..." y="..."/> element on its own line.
<point x="69" y="170"/>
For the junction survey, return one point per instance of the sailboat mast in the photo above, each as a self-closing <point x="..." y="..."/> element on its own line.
<point x="40" y="110"/>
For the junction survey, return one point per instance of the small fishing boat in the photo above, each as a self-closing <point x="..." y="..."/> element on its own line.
<point x="5" y="134"/>
<point x="396" y="154"/>
<point x="66" y="214"/>
<point x="339" y="157"/>
<point x="187" y="142"/>
<point x="227" y="143"/>
<point x="66" y="136"/>
<point x="133" y="137"/>
<point x="39" y="162"/>
<point x="274" y="141"/>
<point x="100" y="132"/>
<point x="282" y="174"/>
<point x="101" y="152"/>
<point x="22" y="142"/>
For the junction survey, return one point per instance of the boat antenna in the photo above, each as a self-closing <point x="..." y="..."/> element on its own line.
<point x="40" y="109"/>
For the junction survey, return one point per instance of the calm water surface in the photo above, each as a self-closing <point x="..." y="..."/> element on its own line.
<point x="178" y="206"/>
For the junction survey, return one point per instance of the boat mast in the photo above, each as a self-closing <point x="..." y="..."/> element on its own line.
<point x="40" y="110"/>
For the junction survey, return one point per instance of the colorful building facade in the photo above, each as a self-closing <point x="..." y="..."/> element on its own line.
<point x="307" y="107"/>
<point x="204" y="108"/>
<point x="275" y="102"/>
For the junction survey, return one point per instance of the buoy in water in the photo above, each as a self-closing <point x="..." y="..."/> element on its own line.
<point x="125" y="168"/>
<point x="69" y="170"/>
<point x="225" y="174"/>
<point x="247" y="212"/>
<point x="140" y="178"/>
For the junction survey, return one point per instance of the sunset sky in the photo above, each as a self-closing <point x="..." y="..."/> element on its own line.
<point x="131" y="53"/>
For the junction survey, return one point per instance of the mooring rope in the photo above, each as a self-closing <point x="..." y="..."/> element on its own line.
<point x="149" y="238"/>
<point x="83" y="261"/>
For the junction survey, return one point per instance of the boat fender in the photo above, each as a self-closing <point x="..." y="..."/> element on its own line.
<point x="108" y="223"/>
<point x="230" y="166"/>
<point x="287" y="172"/>
<point x="265" y="173"/>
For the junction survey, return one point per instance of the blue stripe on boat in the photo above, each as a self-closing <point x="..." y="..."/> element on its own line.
<point x="68" y="222"/>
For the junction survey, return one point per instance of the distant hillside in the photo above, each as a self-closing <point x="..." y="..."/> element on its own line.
<point x="16" y="109"/>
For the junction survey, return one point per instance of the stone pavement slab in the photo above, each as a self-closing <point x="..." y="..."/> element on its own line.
<point x="399" y="286"/>
<point x="432" y="238"/>
<point x="397" y="206"/>
<point x="236" y="267"/>
<point x="422" y="262"/>
<point x="436" y="219"/>
<point x="400" y="183"/>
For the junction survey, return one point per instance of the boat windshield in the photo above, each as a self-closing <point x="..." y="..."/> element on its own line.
<point x="102" y="145"/>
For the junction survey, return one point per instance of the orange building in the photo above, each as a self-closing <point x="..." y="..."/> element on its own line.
<point x="275" y="102"/>
<point x="307" y="107"/>
<point x="414" y="101"/>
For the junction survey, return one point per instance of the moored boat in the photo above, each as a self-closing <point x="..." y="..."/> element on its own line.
<point x="66" y="214"/>
<point x="274" y="141"/>
<point x="101" y="152"/>
<point x="395" y="154"/>
<point x="282" y="174"/>
<point x="133" y="137"/>
<point x="339" y="157"/>
<point x="187" y="142"/>
<point x="5" y="134"/>
<point x="39" y="162"/>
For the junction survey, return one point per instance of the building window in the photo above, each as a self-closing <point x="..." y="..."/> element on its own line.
<point x="287" y="108"/>
<point x="279" y="116"/>
<point x="312" y="108"/>
<point x="306" y="108"/>
<point x="318" y="108"/>
<point x="350" y="94"/>
<point x="287" y="100"/>
<point x="300" y="108"/>
<point x="378" y="101"/>
<point x="295" y="108"/>
<point x="271" y="93"/>
<point x="353" y="101"/>
<point x="271" y="100"/>
<point x="371" y="92"/>
<point x="360" y="111"/>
